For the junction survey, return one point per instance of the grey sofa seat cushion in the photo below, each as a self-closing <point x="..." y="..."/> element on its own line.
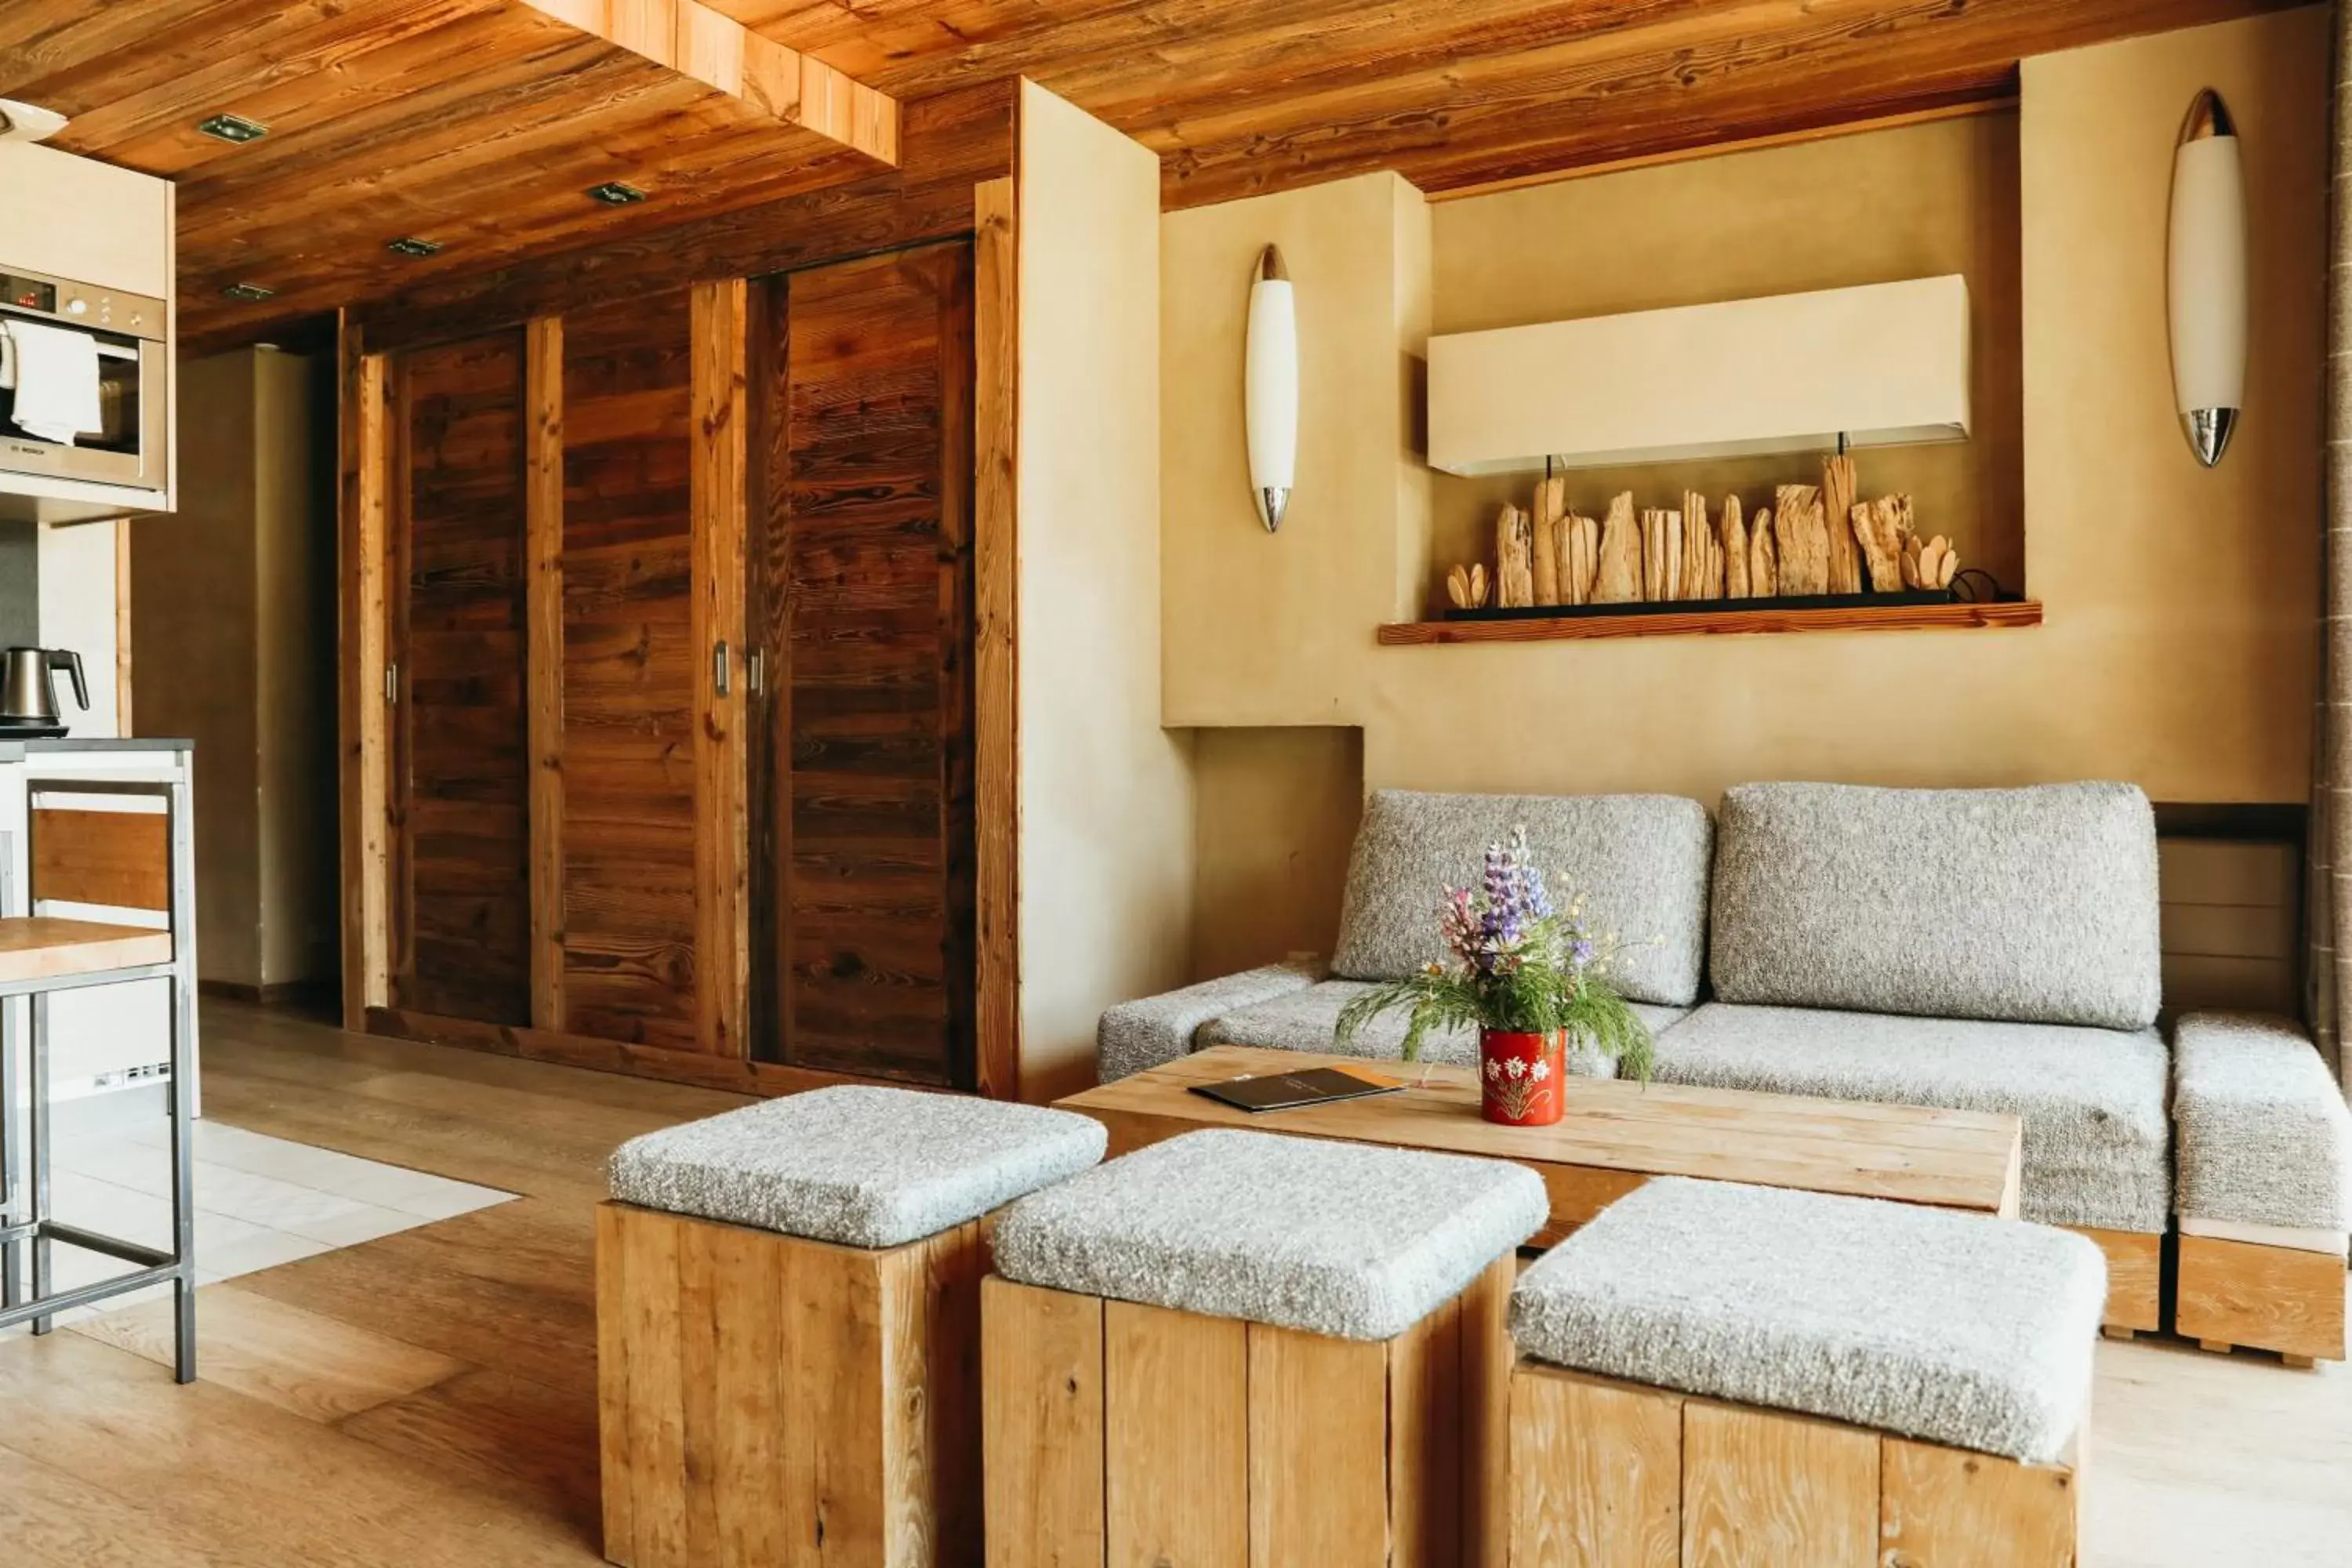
<point x="2032" y="905"/>
<point x="2098" y="1144"/>
<point x="1958" y="1328"/>
<point x="2264" y="1136"/>
<point x="1338" y="1239"/>
<point x="861" y="1166"/>
<point x="1639" y="861"/>
<point x="1303" y="1020"/>
<point x="1136" y="1036"/>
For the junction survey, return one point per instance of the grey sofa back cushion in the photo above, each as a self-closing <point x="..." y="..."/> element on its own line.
<point x="1639" y="860"/>
<point x="2032" y="905"/>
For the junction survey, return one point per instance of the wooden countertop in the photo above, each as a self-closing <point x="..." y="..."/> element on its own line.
<point x="41" y="947"/>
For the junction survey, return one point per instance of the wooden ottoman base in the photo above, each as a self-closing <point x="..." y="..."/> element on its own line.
<point x="2278" y="1298"/>
<point x="766" y="1399"/>
<point x="1126" y="1434"/>
<point x="1628" y="1476"/>
<point x="2135" y="1279"/>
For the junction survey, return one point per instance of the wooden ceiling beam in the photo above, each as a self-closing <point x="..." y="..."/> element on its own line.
<point x="691" y="38"/>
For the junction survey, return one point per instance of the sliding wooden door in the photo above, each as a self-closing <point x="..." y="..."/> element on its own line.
<point x="627" y="837"/>
<point x="863" y="616"/>
<point x="459" y="894"/>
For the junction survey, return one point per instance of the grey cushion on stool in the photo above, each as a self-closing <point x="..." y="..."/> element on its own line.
<point x="864" y="1167"/>
<point x="1958" y="1329"/>
<point x="1341" y="1240"/>
<point x="2264" y="1137"/>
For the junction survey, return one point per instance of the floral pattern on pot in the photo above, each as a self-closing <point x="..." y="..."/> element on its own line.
<point x="1519" y="1077"/>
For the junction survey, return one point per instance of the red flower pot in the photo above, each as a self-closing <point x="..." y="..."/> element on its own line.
<point x="1519" y="1077"/>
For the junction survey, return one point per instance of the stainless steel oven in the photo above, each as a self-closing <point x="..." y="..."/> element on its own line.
<point x="132" y="446"/>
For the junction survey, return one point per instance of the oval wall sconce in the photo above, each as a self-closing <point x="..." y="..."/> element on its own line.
<point x="2206" y="278"/>
<point x="1270" y="389"/>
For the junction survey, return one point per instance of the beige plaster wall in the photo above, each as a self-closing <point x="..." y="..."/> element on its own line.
<point x="1269" y="629"/>
<point x="2180" y="603"/>
<point x="1105" y="793"/>
<point x="1277" y="812"/>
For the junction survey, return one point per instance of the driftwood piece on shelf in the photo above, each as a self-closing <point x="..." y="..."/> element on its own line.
<point x="1734" y="535"/>
<point x="1881" y="526"/>
<point x="1698" y="549"/>
<point x="1803" y="541"/>
<point x="1580" y="555"/>
<point x="1763" y="557"/>
<point x="1837" y="517"/>
<point x="1514" y="546"/>
<point x="1545" y="564"/>
<point x="1662" y="555"/>
<point x="1617" y="580"/>
<point x="1465" y="587"/>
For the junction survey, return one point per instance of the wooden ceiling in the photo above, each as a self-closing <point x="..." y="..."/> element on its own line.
<point x="478" y="123"/>
<point x="1240" y="98"/>
<point x="475" y="125"/>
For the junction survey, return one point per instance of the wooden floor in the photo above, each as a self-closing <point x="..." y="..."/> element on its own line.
<point x="429" y="1399"/>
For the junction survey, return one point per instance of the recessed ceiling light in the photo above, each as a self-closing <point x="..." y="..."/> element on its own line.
<point x="615" y="193"/>
<point x="235" y="128"/>
<point x="409" y="245"/>
<point x="249" y="291"/>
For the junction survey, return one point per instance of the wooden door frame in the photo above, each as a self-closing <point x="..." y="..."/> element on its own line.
<point x="996" y="709"/>
<point x="364" y="460"/>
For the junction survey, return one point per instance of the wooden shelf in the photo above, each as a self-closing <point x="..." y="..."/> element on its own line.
<point x="38" y="947"/>
<point x="1665" y="623"/>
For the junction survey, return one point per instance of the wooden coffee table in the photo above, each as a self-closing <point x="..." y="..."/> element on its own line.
<point x="1612" y="1138"/>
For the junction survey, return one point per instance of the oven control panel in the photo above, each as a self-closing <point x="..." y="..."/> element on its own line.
<point x="81" y="305"/>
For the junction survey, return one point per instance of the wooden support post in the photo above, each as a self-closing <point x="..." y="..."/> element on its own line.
<point x="719" y="502"/>
<point x="996" y="716"/>
<point x="543" y="663"/>
<point x="365" y="460"/>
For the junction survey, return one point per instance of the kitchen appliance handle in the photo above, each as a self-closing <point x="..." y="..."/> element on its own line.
<point x="65" y="659"/>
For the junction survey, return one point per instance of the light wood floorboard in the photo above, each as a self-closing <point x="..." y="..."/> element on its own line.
<point x="429" y="1398"/>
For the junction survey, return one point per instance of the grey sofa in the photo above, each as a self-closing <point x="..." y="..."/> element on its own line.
<point x="1993" y="950"/>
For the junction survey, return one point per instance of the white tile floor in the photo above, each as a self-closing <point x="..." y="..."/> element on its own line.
<point x="260" y="1202"/>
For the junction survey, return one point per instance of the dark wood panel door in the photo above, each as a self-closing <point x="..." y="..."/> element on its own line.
<point x="627" y="835"/>
<point x="863" y="609"/>
<point x="460" y="905"/>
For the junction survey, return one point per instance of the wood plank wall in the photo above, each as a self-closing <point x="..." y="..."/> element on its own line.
<point x="460" y="838"/>
<point x="2232" y="927"/>
<point x="867" y="625"/>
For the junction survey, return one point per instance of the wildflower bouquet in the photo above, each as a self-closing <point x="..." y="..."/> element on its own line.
<point x="1518" y="966"/>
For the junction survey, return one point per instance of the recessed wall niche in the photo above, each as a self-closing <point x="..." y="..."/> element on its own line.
<point x="1870" y="207"/>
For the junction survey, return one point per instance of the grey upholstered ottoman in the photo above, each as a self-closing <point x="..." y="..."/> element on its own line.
<point x="2265" y="1145"/>
<point x="788" y="1324"/>
<point x="1265" y="1349"/>
<point x="1679" y="1354"/>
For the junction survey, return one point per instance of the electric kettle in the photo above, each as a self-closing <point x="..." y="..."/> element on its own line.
<point x="28" y="702"/>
